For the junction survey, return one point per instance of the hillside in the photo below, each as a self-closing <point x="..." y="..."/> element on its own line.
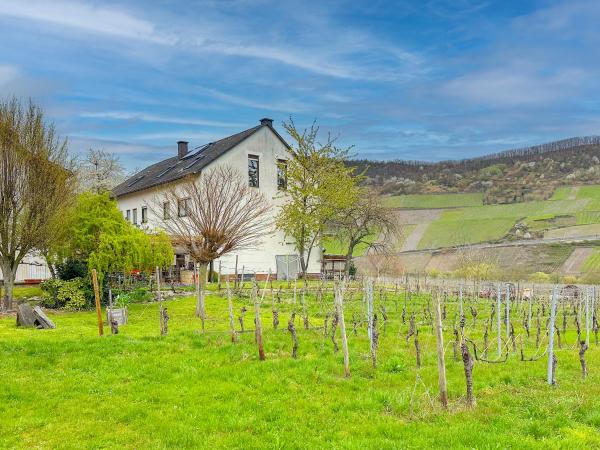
<point x="517" y="175"/>
<point x="442" y="232"/>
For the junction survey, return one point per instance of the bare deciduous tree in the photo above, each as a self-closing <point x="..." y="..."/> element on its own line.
<point x="35" y="186"/>
<point x="359" y="222"/>
<point x="217" y="213"/>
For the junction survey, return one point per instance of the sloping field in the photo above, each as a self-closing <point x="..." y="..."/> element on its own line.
<point x="577" y="231"/>
<point x="432" y="201"/>
<point x="490" y="223"/>
<point x="576" y="261"/>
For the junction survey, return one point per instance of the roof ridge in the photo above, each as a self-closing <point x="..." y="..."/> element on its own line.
<point x="174" y="168"/>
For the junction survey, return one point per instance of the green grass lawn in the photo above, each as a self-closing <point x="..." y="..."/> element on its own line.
<point x="26" y="291"/>
<point x="430" y="201"/>
<point x="69" y="388"/>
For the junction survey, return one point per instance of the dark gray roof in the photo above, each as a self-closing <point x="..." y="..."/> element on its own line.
<point x="173" y="169"/>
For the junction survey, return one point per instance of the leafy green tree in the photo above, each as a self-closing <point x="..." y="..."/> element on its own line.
<point x="319" y="186"/>
<point x="99" y="235"/>
<point x="36" y="184"/>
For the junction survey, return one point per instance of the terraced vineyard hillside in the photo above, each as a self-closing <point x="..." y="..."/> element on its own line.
<point x="569" y="218"/>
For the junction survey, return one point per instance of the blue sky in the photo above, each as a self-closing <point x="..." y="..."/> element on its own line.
<point x="424" y="79"/>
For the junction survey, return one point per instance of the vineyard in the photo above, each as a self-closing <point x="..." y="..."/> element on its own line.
<point x="337" y="366"/>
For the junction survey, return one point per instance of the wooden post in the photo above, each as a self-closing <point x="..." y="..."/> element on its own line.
<point x="507" y="296"/>
<point x="339" y="302"/>
<point x="439" y="338"/>
<point x="587" y="317"/>
<point x="499" y="318"/>
<point x="219" y="278"/>
<point x="230" y="305"/>
<point x="235" y="281"/>
<point x="551" y="337"/>
<point x="97" y="297"/>
<point x="257" y="323"/>
<point x="460" y="299"/>
<point x="162" y="316"/>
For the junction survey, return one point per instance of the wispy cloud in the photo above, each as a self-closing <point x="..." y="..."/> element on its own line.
<point x="333" y="59"/>
<point x="143" y="117"/>
<point x="8" y="73"/>
<point x="85" y="16"/>
<point x="289" y="106"/>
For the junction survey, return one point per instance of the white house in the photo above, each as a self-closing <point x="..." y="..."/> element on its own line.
<point x="258" y="153"/>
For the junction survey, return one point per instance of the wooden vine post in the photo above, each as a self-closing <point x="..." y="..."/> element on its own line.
<point x="551" y="357"/>
<point x="162" y="312"/>
<point x="439" y="338"/>
<point x="230" y="307"/>
<point x="499" y="318"/>
<point x="97" y="298"/>
<point x="257" y="321"/>
<point x="339" y="306"/>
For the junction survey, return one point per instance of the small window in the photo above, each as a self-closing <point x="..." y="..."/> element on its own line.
<point x="253" y="171"/>
<point x="183" y="206"/>
<point x="144" y="214"/>
<point x="166" y="210"/>
<point x="282" y="174"/>
<point x="135" y="216"/>
<point x="128" y="215"/>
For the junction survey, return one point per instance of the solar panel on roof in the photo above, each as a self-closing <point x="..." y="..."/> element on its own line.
<point x="164" y="172"/>
<point x="135" y="181"/>
<point x="193" y="162"/>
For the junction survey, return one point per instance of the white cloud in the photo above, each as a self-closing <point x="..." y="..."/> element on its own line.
<point x="514" y="86"/>
<point x="287" y="107"/>
<point x="85" y="16"/>
<point x="8" y="74"/>
<point x="143" y="117"/>
<point x="225" y="37"/>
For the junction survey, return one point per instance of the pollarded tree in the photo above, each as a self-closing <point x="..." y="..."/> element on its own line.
<point x="217" y="213"/>
<point x="319" y="186"/>
<point x="36" y="184"/>
<point x="365" y="222"/>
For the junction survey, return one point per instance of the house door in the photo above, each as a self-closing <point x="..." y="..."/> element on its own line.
<point x="288" y="266"/>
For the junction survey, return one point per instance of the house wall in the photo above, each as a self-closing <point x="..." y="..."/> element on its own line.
<point x="32" y="268"/>
<point x="261" y="259"/>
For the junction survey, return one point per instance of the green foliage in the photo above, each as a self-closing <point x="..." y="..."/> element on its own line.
<point x="319" y="185"/>
<point x="122" y="300"/>
<point x="71" y="268"/>
<point x="540" y="277"/>
<point x="431" y="201"/>
<point x="70" y="295"/>
<point x="478" y="272"/>
<point x="100" y="236"/>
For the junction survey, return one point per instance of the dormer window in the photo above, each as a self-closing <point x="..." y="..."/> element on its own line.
<point x="253" y="171"/>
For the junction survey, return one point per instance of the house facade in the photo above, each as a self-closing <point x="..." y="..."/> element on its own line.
<point x="260" y="155"/>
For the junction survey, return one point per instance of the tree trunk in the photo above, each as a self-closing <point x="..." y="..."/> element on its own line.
<point x="348" y="262"/>
<point x="9" y="283"/>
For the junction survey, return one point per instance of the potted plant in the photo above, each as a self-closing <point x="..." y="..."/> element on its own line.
<point x="119" y="310"/>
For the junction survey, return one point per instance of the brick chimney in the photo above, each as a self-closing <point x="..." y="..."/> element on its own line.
<point x="182" y="148"/>
<point x="267" y="122"/>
